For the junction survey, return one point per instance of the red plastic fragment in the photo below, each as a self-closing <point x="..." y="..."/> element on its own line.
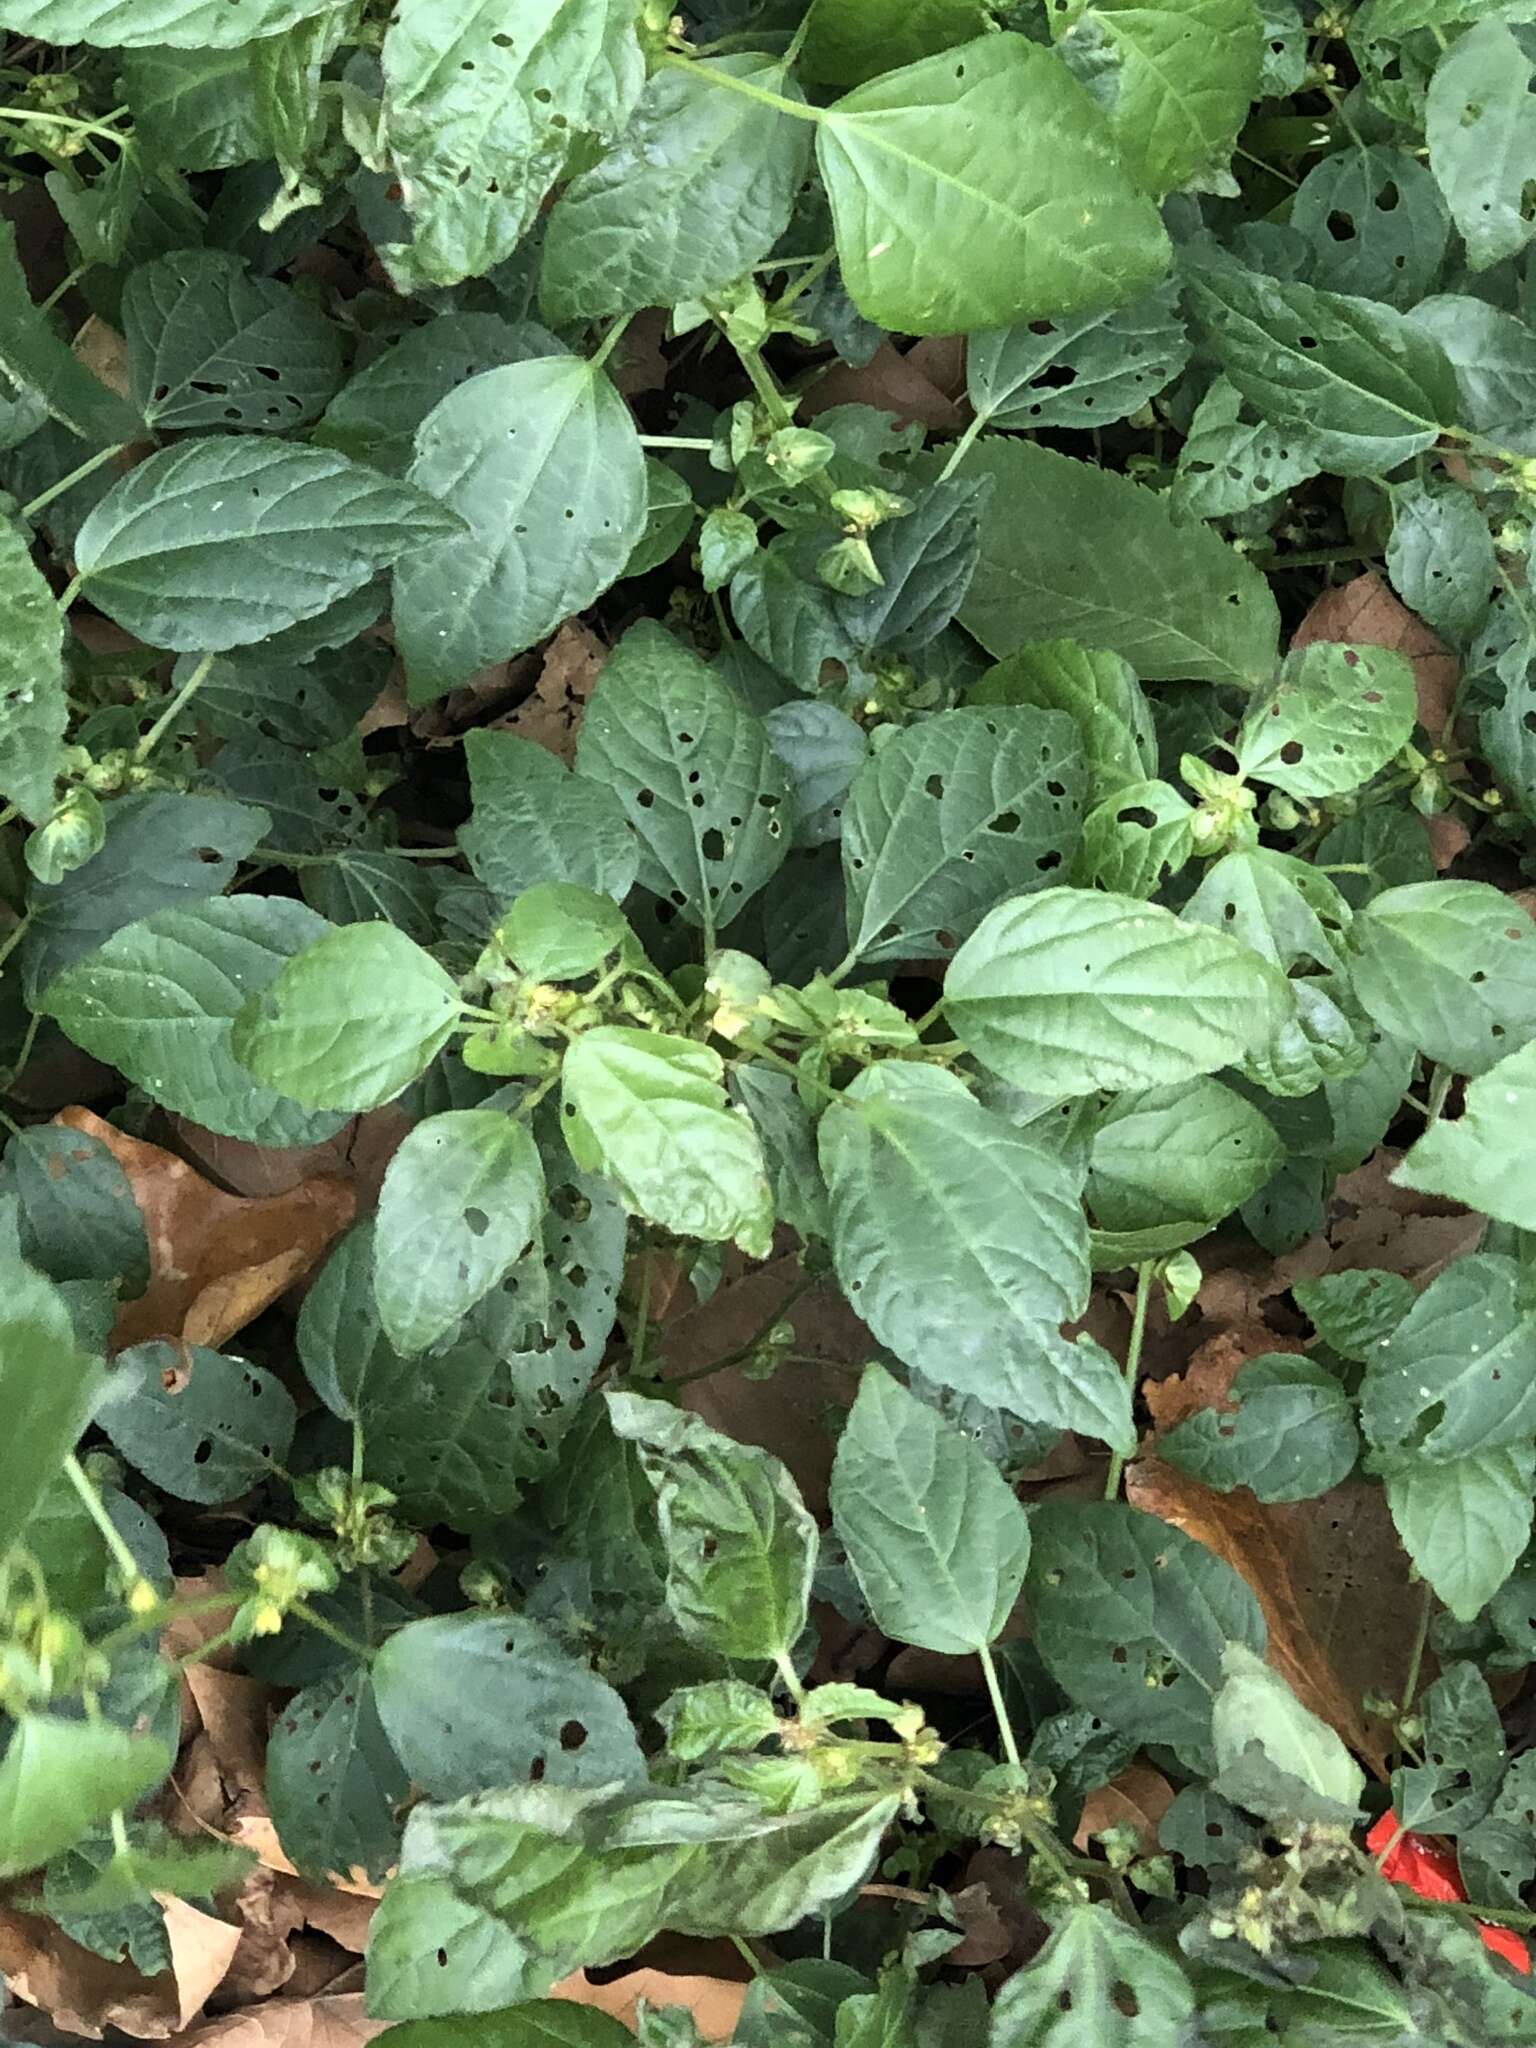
<point x="1428" y="1867"/>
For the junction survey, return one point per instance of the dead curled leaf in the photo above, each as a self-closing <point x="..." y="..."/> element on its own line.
<point x="552" y="716"/>
<point x="85" y="1994"/>
<point x="1138" y="1798"/>
<point x="215" y="1260"/>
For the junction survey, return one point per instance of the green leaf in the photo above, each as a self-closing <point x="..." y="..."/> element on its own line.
<point x="1274" y="1757"/>
<point x="542" y="462"/>
<point x="461" y="1201"/>
<point x="1451" y="968"/>
<point x="158" y="1002"/>
<point x="1464" y="1756"/>
<point x="946" y="222"/>
<point x="558" y="931"/>
<point x="59" y="1778"/>
<point x="1354" y="1312"/>
<point x="1132" y="1616"/>
<point x="220" y="542"/>
<point x="1369" y="387"/>
<point x="1441" y="559"/>
<point x="133" y="24"/>
<point x="34" y="710"/>
<point x="1493" y="356"/>
<point x="950" y="815"/>
<point x="347" y="1359"/>
<point x="849" y="41"/>
<point x="79" y="1219"/>
<point x="1077" y="1989"/>
<point x="962" y="1244"/>
<point x="1070" y="550"/>
<point x="519" y="1708"/>
<point x="723" y="1715"/>
<point x="1231" y="460"/>
<point x="1071" y="991"/>
<point x="740" y="1543"/>
<point x="698" y="190"/>
<point x="1087" y="372"/>
<point x="1174" y="76"/>
<point x="1465" y="1523"/>
<point x="333" y="1782"/>
<point x="49" y="1389"/>
<point x="1480" y="125"/>
<point x="33" y="356"/>
<point x="1376" y="222"/>
<point x="480" y="123"/>
<point x="1098" y="691"/>
<point x="822" y="750"/>
<point x="211" y="346"/>
<point x="350" y="1021"/>
<point x="194" y="109"/>
<point x="1197" y="1151"/>
<point x="669" y="517"/>
<point x="1483" y="1157"/>
<point x="541" y="2023"/>
<point x="787" y="1132"/>
<point x="1448" y="1382"/>
<point x="533" y="821"/>
<point x="937" y="1541"/>
<point x="204" y="1427"/>
<point x="1292" y="1436"/>
<point x="1333" y="718"/>
<point x="704" y="792"/>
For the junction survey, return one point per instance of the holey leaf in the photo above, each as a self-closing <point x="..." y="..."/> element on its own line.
<point x="218" y="543"/>
<point x="34" y="710"/>
<point x="1071" y="991"/>
<point x="1454" y="1378"/>
<point x="979" y="187"/>
<point x="541" y="462"/>
<point x="1096" y="1984"/>
<point x="962" y="1244"/>
<point x="1331" y="720"/>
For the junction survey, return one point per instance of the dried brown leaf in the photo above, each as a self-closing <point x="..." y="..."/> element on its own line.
<point x="552" y="716"/>
<point x="715" y="2002"/>
<point x="1365" y="613"/>
<point x="890" y="382"/>
<point x="85" y="1994"/>
<point x="326" y="2022"/>
<point x="987" y="1935"/>
<point x="1138" y="1798"/>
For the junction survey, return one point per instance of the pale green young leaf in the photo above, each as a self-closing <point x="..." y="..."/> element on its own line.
<point x="1480" y="124"/>
<point x="1451" y="968"/>
<point x="60" y="1776"/>
<point x="849" y="41"/>
<point x="519" y="1708"/>
<point x="648" y="1110"/>
<point x="1493" y="356"/>
<point x="34" y="710"/>
<point x="559" y="931"/>
<point x="740" y="1543"/>
<point x="541" y="476"/>
<point x="1231" y="460"/>
<point x="1072" y="990"/>
<point x="223" y="541"/>
<point x="1083" y="372"/>
<point x="1292" y="1435"/>
<point x="1450" y="1380"/>
<point x="1136" y="839"/>
<point x="209" y="345"/>
<point x="951" y="814"/>
<point x="136" y="24"/>
<point x="937" y="1540"/>
<point x="481" y="115"/>
<point x="1441" y="559"/>
<point x="1465" y="1522"/>
<point x="159" y="999"/>
<point x="1098" y="691"/>
<point x="980" y="187"/>
<point x="1073" y="1993"/>
<point x="461" y="1200"/>
<point x="197" y="1424"/>
<point x="328" y="1739"/>
<point x="961" y="1242"/>
<point x="1281" y="907"/>
<point x="350" y="1022"/>
<point x="1484" y="1157"/>
<point x="1332" y="719"/>
<point x="698" y="189"/>
<point x="705" y="794"/>
<point x="49" y="1388"/>
<point x="1274" y="1757"/>
<point x="1370" y="388"/>
<point x="1175" y="78"/>
<point x="1190" y="1150"/>
<point x="722" y="1715"/>
<point x="1072" y="551"/>
<point x="533" y="821"/>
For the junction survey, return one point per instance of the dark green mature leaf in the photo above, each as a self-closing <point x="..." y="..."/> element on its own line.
<point x="541" y="2023"/>
<point x="697" y="191"/>
<point x="1464" y="1756"/>
<point x="194" y="109"/>
<point x="60" y="1777"/>
<point x="79" y="1219"/>
<point x="347" y="1359"/>
<point x="937" y="1541"/>
<point x="1292" y="1436"/>
<point x="1101" y="695"/>
<point x="786" y="1130"/>
<point x="1493" y="356"/>
<point x="1074" y="990"/>
<point x="461" y="1200"/>
<point x="211" y="346"/>
<point x="49" y="1389"/>
<point x="1483" y="1157"/>
<point x="1175" y="78"/>
<point x="704" y="792"/>
<point x="480" y="121"/>
<point x="333" y="1782"/>
<point x="1085" y="372"/>
<point x="945" y="223"/>
<point x="1333" y="718"/>
<point x="1132" y="1616"/>
<point x="1480" y="124"/>
<point x="1451" y="968"/>
<point x="202" y="1426"/>
<point x="849" y="41"/>
<point x="1376" y="222"/>
<point x="1354" y="1312"/>
<point x="221" y="542"/>
<point x="348" y="1022"/>
<point x="159" y="999"/>
<point x="34" y="710"/>
<point x="1369" y="387"/>
<point x="1068" y="550"/>
<point x="1465" y="1522"/>
<point x="962" y="1244"/>
<point x="39" y="361"/>
<point x="1441" y="559"/>
<point x="182" y="24"/>
<point x="1193" y="1151"/>
<point x="1447" y="1382"/>
<point x="1078" y="1988"/>
<point x="822" y="750"/>
<point x="925" y="561"/>
<point x="542" y="478"/>
<point x="740" y="1543"/>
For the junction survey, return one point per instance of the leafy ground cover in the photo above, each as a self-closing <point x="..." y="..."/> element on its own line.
<point x="768" y="1035"/>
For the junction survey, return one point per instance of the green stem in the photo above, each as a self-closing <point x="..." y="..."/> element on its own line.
<point x="797" y="40"/>
<point x="611" y="340"/>
<point x="68" y="594"/>
<point x="339" y="1636"/>
<point x="24" y="119"/>
<point x="642" y="1317"/>
<point x="174" y="709"/>
<point x="675" y="441"/>
<point x="1416" y="1659"/>
<point x="67" y="483"/>
<point x="790" y="1676"/>
<point x="1440" y="1082"/>
<point x="797" y="109"/>
<point x="1144" y="1273"/>
<point x="999" y="1707"/>
<point x="817" y="269"/>
<point x="963" y="446"/>
<point x="743" y="1948"/>
<point x="15" y="936"/>
<point x="94" y="1506"/>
